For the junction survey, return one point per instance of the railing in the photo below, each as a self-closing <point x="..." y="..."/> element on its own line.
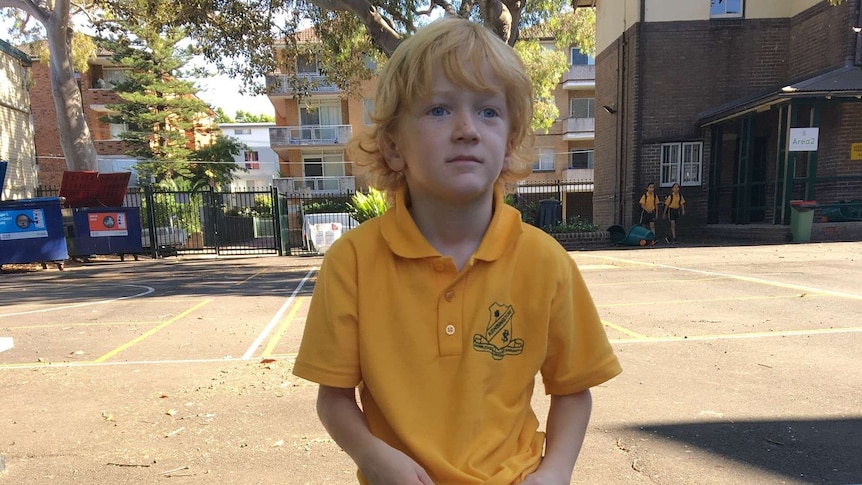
<point x="315" y="185"/>
<point x="580" y="77"/>
<point x="310" y="135"/>
<point x="580" y="128"/>
<point x="279" y="85"/>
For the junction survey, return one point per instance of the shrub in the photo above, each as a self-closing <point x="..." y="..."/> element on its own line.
<point x="368" y="206"/>
<point x="574" y="224"/>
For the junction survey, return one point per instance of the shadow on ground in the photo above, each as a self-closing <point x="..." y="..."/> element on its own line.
<point x="823" y="451"/>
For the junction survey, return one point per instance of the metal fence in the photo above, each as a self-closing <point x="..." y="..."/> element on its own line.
<point x="270" y="221"/>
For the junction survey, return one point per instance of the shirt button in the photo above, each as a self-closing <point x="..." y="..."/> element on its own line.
<point x="450" y="329"/>
<point x="439" y="266"/>
<point x="450" y="295"/>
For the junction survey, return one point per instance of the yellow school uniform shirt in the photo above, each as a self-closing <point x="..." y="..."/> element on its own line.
<point x="649" y="202"/>
<point x="674" y="201"/>
<point x="446" y="361"/>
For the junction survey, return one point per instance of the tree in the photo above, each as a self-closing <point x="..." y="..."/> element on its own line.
<point x="160" y="110"/>
<point x="354" y="36"/>
<point x="246" y="117"/>
<point x="55" y="17"/>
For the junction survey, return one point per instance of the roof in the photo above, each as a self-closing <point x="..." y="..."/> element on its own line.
<point x="12" y="51"/>
<point x="841" y="82"/>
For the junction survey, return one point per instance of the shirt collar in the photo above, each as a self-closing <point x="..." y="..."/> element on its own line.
<point x="404" y="238"/>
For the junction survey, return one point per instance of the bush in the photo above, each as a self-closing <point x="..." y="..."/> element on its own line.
<point x="364" y="207"/>
<point x="574" y="224"/>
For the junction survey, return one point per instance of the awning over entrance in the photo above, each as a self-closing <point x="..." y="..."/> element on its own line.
<point x="842" y="82"/>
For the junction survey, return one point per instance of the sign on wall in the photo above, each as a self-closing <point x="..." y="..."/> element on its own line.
<point x="856" y="151"/>
<point x="803" y="139"/>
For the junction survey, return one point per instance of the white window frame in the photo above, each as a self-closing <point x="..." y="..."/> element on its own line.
<point x="546" y="161"/>
<point x="116" y="129"/>
<point x="251" y="156"/>
<point x="574" y="51"/>
<point x="112" y="77"/>
<point x="724" y="14"/>
<point x="242" y="131"/>
<point x="590" y="107"/>
<point x="681" y="163"/>
<point x="306" y="65"/>
<point x="591" y="158"/>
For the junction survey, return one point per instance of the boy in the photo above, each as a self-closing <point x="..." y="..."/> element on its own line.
<point x="674" y="206"/>
<point x="443" y="310"/>
<point x="649" y="207"/>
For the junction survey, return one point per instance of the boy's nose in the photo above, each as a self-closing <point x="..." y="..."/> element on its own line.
<point x="465" y="128"/>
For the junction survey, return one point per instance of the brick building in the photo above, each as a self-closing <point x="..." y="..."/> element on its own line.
<point x="16" y="133"/>
<point x="96" y="94"/>
<point x="715" y="95"/>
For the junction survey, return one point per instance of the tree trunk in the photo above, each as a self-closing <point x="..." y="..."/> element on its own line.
<point x="74" y="133"/>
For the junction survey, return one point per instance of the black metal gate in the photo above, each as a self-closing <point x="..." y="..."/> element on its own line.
<point x="208" y="221"/>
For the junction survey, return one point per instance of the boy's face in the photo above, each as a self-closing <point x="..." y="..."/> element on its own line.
<point x="452" y="144"/>
<point x="650" y="187"/>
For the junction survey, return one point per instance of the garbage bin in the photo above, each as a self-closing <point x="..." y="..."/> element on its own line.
<point x="801" y="219"/>
<point x="550" y="213"/>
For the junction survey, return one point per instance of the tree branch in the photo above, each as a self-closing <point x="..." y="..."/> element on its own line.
<point x="29" y="6"/>
<point x="378" y="28"/>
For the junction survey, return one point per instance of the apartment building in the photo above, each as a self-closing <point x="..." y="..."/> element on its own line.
<point x="258" y="158"/>
<point x="97" y="94"/>
<point x="748" y="104"/>
<point x="16" y="143"/>
<point x="310" y="137"/>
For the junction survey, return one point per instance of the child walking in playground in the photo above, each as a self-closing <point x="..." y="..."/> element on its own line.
<point x="674" y="207"/>
<point x="649" y="207"/>
<point x="443" y="310"/>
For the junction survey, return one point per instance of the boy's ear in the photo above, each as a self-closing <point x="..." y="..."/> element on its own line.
<point x="393" y="157"/>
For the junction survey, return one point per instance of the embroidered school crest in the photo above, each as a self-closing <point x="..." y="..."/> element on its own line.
<point x="499" y="340"/>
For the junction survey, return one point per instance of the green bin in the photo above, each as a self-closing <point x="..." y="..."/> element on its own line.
<point x="801" y="219"/>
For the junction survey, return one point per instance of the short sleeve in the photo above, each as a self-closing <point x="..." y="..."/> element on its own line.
<point x="329" y="352"/>
<point x="579" y="353"/>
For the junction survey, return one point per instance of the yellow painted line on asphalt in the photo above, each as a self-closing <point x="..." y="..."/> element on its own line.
<point x="593" y="267"/>
<point x="623" y="330"/>
<point x="70" y="325"/>
<point x="660" y="282"/>
<point x="251" y="277"/>
<point x="732" y="336"/>
<point x="150" y="332"/>
<point x="749" y="279"/>
<point x="731" y="298"/>
<point x="282" y="329"/>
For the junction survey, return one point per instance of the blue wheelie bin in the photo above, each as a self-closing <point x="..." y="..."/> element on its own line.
<point x="31" y="230"/>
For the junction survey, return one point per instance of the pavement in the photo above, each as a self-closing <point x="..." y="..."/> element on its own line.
<point x="741" y="364"/>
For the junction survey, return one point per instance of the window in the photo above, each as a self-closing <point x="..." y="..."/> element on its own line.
<point x="112" y="77"/>
<point x="251" y="156"/>
<point x="582" y="108"/>
<point x="725" y="8"/>
<point x="546" y="160"/>
<point x="307" y="65"/>
<point x="582" y="159"/>
<point x="242" y="131"/>
<point x="579" y="59"/>
<point x="681" y="163"/>
<point x="116" y="129"/>
<point x="252" y="166"/>
<point x="367" y="110"/>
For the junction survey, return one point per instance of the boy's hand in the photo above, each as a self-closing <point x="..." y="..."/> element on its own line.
<point x="539" y="478"/>
<point x="392" y="467"/>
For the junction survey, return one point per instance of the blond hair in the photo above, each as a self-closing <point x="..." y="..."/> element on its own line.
<point x="460" y="47"/>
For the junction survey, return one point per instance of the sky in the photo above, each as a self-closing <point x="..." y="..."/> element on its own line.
<point x="223" y="92"/>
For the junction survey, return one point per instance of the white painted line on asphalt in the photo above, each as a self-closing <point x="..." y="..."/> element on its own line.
<point x="147" y="291"/>
<point x="277" y="318"/>
<point x="64" y="365"/>
<point x="6" y="343"/>
<point x="749" y="279"/>
<point x="732" y="336"/>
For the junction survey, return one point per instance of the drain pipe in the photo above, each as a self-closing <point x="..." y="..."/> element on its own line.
<point x="639" y="116"/>
<point x="857" y="61"/>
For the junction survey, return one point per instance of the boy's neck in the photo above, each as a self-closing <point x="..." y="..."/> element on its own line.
<point x="453" y="229"/>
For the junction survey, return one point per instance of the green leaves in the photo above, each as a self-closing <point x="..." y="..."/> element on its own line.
<point x="367" y="206"/>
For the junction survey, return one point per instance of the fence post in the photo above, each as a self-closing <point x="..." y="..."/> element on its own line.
<point x="151" y="215"/>
<point x="276" y="217"/>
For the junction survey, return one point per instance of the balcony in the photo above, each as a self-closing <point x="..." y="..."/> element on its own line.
<point x="579" y="129"/>
<point x="580" y="77"/>
<point x="298" y="186"/>
<point x="309" y="136"/>
<point x="279" y="85"/>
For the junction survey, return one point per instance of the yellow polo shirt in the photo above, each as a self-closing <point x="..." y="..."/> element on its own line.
<point x="446" y="361"/>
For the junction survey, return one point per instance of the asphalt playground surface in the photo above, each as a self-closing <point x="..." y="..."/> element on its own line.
<point x="741" y="364"/>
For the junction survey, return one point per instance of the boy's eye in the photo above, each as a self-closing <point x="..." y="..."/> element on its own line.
<point x="489" y="113"/>
<point x="437" y="111"/>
